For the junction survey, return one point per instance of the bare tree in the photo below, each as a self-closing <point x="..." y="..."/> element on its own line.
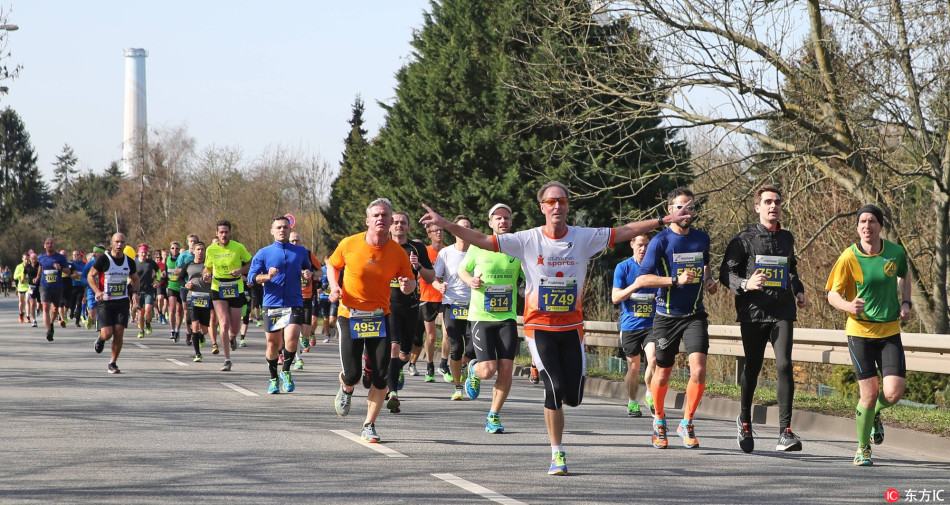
<point x="861" y="113"/>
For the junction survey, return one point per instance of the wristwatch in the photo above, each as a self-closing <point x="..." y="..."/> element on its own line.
<point x="674" y="280"/>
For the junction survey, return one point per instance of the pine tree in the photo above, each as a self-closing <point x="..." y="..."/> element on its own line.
<point x="22" y="188"/>
<point x="348" y="193"/>
<point x="64" y="169"/>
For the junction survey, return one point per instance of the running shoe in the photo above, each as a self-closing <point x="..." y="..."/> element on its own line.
<point x="99" y="345"/>
<point x="430" y="375"/>
<point x="369" y="433"/>
<point x="877" y="430"/>
<point x="243" y="343"/>
<point x="863" y="456"/>
<point x="197" y="358"/>
<point x="298" y="365"/>
<point x="457" y="395"/>
<point x="148" y="327"/>
<point x="326" y="339"/>
<point x="392" y="402"/>
<point x="313" y="340"/>
<point x="473" y="385"/>
<point x="233" y="342"/>
<point x="34" y="323"/>
<point x="141" y="334"/>
<point x="493" y="424"/>
<point x="113" y="368"/>
<point x="272" y="388"/>
<point x="88" y="323"/>
<point x="413" y="371"/>
<point x="659" y="434"/>
<point x="62" y="323"/>
<point x="633" y="409"/>
<point x="77" y="322"/>
<point x="788" y="442"/>
<point x="305" y="342"/>
<point x="171" y="335"/>
<point x="49" y="335"/>
<point x="214" y="349"/>
<point x="685" y="431"/>
<point x="744" y="438"/>
<point x="534" y="377"/>
<point x="201" y="340"/>
<point x="227" y="366"/>
<point x="259" y="322"/>
<point x="287" y="381"/>
<point x="558" y="465"/>
<point x="447" y="376"/>
<point x="177" y="336"/>
<point x="401" y="381"/>
<point x="21" y="317"/>
<point x="28" y="319"/>
<point x="341" y="403"/>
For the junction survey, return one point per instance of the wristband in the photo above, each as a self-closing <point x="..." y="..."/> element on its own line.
<point x="910" y="304"/>
<point x="660" y="221"/>
<point x="674" y="280"/>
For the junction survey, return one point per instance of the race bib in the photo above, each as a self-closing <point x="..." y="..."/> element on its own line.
<point x="394" y="283"/>
<point x="51" y="275"/>
<point x="200" y="300"/>
<point x="304" y="282"/>
<point x="775" y="269"/>
<point x="643" y="304"/>
<point x="278" y="319"/>
<point x="557" y="294"/>
<point x="498" y="298"/>
<point x="172" y="277"/>
<point x="116" y="286"/>
<point x="458" y="311"/>
<point x="228" y="289"/>
<point x="683" y="262"/>
<point x="367" y="324"/>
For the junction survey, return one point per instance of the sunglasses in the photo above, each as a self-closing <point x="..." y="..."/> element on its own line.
<point x="551" y="201"/>
<point x="689" y="208"/>
<point x="294" y="241"/>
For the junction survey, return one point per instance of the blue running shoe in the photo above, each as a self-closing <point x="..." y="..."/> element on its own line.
<point x="273" y="389"/>
<point x="473" y="384"/>
<point x="288" y="381"/>
<point x="558" y="465"/>
<point x="493" y="424"/>
<point x="402" y="380"/>
<point x="863" y="456"/>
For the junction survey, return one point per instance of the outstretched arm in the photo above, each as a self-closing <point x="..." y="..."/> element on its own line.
<point x="469" y="235"/>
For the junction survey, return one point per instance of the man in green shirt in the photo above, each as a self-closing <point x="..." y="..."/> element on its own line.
<point x="225" y="263"/>
<point x="492" y="314"/>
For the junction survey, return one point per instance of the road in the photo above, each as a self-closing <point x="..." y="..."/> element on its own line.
<point x="169" y="431"/>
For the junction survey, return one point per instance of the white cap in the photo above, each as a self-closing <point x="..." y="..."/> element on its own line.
<point x="496" y="207"/>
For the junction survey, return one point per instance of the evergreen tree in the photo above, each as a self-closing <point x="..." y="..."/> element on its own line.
<point x="22" y="188"/>
<point x="348" y="193"/>
<point x="64" y="169"/>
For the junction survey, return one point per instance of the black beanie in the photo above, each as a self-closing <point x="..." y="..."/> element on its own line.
<point x="873" y="210"/>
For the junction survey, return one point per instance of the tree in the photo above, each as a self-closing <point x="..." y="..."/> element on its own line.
<point x="64" y="169"/>
<point x="22" y="188"/>
<point x="348" y="192"/>
<point x="867" y="115"/>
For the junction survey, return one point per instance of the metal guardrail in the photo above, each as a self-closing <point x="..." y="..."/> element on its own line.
<point x="924" y="352"/>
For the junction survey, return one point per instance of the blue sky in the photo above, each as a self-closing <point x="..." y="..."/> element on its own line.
<point x="238" y="73"/>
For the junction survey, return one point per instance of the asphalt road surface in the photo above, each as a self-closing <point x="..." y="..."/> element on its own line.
<point x="169" y="431"/>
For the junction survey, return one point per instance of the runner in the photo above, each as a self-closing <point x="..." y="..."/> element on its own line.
<point x="404" y="308"/>
<point x="197" y="298"/>
<point x="148" y="272"/>
<point x="455" y="301"/>
<point x="865" y="283"/>
<point x="369" y="261"/>
<point x="323" y="304"/>
<point x="6" y="280"/>
<point x="761" y="270"/>
<point x="22" y="287"/>
<point x="92" y="305"/>
<point x="677" y="262"/>
<point x="637" y="305"/>
<point x="109" y="279"/>
<point x="53" y="266"/>
<point x="173" y="291"/>
<point x="184" y="258"/>
<point x="554" y="258"/>
<point x="32" y="272"/>
<point x="493" y="315"/>
<point x="430" y="309"/>
<point x="227" y="261"/>
<point x="75" y="303"/>
<point x="161" y="286"/>
<point x="67" y="284"/>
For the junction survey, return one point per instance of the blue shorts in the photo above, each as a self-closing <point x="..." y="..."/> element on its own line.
<point x="91" y="302"/>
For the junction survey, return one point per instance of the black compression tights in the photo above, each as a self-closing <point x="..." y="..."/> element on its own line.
<point x="755" y="336"/>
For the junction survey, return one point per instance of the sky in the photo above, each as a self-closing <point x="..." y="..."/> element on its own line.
<point x="232" y="73"/>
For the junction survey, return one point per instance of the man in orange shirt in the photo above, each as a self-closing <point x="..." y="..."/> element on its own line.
<point x="367" y="263"/>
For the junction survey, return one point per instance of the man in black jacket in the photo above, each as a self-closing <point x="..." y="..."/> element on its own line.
<point x="760" y="268"/>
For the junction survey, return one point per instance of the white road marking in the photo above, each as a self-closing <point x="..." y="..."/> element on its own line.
<point x="175" y="361"/>
<point x="239" y="389"/>
<point x="382" y="449"/>
<point x="476" y="489"/>
<point x="140" y="346"/>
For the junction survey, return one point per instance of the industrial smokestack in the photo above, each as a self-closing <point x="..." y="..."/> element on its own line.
<point x="135" y="124"/>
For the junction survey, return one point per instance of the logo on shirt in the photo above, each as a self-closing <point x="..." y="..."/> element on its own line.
<point x="558" y="261"/>
<point x="541" y="259"/>
<point x="890" y="267"/>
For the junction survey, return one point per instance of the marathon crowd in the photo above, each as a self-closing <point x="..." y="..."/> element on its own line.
<point x="381" y="293"/>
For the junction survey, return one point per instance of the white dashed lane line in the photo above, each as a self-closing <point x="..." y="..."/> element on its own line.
<point x="175" y="361"/>
<point x="474" y="488"/>
<point x="239" y="389"/>
<point x="382" y="449"/>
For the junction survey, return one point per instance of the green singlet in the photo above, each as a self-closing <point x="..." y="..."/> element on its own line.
<point x="497" y="299"/>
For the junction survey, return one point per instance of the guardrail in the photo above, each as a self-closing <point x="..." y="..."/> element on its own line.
<point x="925" y="352"/>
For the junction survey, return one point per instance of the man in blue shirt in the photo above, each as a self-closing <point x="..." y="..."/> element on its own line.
<point x="52" y="266"/>
<point x="74" y="303"/>
<point x="677" y="262"/>
<point x="279" y="267"/>
<point x="637" y="305"/>
<point x="92" y="305"/>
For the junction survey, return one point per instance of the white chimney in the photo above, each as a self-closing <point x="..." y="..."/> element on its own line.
<point x="136" y="123"/>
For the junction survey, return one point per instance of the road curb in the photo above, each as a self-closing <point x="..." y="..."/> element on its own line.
<point x="934" y="447"/>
